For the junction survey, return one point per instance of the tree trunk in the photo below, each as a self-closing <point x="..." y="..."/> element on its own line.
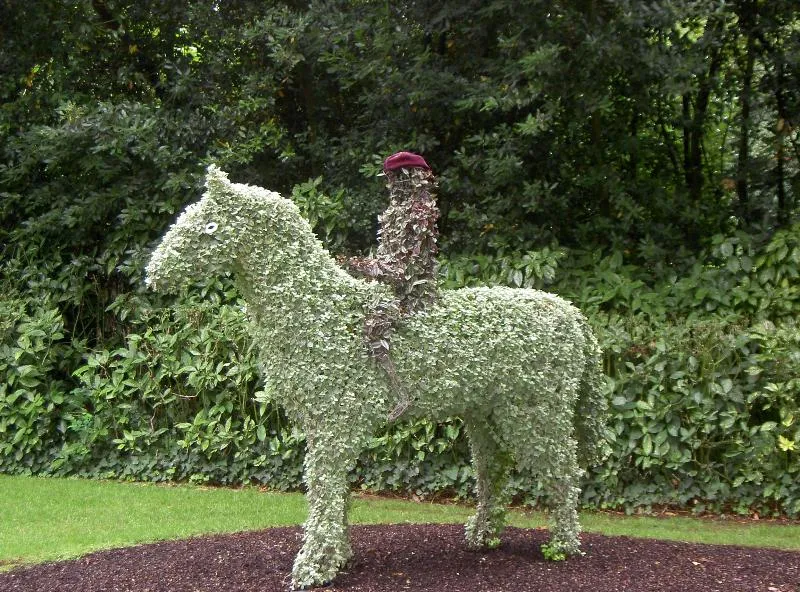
<point x="747" y="21"/>
<point x="633" y="151"/>
<point x="694" y="119"/>
<point x="783" y="129"/>
<point x="686" y="120"/>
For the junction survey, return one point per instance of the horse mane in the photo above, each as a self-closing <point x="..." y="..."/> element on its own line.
<point x="289" y="227"/>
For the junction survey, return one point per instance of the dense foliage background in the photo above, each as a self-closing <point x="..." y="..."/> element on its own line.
<point x="639" y="158"/>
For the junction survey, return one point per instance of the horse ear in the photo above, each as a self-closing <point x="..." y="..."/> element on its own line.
<point x="216" y="179"/>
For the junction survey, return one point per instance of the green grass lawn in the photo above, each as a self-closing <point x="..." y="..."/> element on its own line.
<point x="44" y="519"/>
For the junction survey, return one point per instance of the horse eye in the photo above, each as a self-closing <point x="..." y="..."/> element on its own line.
<point x="210" y="228"/>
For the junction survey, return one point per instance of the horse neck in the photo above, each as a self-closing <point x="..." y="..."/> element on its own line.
<point x="285" y="267"/>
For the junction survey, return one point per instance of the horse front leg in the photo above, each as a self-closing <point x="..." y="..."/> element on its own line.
<point x="326" y="544"/>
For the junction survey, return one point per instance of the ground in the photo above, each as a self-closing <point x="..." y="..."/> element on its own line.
<point x="421" y="558"/>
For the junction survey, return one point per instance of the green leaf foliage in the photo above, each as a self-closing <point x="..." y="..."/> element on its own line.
<point x="35" y="358"/>
<point x="640" y="159"/>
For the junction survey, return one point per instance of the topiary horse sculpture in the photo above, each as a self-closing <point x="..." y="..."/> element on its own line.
<point x="519" y="366"/>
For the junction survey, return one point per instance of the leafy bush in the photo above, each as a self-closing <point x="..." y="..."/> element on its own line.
<point x="179" y="401"/>
<point x="418" y="457"/>
<point x="697" y="418"/>
<point x="703" y="382"/>
<point x="35" y="357"/>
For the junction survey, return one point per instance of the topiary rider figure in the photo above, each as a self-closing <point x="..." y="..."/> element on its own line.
<point x="405" y="259"/>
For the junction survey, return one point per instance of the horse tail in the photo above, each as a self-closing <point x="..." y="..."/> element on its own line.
<point x="591" y="411"/>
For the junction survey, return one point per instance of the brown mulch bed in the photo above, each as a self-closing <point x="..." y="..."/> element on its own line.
<point x="421" y="558"/>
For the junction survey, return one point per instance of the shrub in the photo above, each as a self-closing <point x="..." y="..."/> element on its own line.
<point x="705" y="403"/>
<point x="35" y="357"/>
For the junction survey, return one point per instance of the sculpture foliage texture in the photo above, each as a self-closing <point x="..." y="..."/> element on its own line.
<point x="521" y="367"/>
<point x="406" y="257"/>
<point x="406" y="261"/>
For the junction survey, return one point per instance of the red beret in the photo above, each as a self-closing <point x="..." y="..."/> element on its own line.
<point x="404" y="160"/>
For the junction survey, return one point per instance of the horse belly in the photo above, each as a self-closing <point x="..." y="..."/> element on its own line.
<point x="503" y="347"/>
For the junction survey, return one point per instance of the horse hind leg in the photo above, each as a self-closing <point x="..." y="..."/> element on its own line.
<point x="491" y="464"/>
<point x="563" y="492"/>
<point x="550" y="452"/>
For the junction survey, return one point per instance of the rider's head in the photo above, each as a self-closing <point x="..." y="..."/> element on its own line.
<point x="404" y="160"/>
<point x="400" y="167"/>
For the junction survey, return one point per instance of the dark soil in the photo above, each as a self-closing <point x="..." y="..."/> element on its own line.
<point x="420" y="558"/>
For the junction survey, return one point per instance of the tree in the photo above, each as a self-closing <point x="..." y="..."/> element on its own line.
<point x="642" y="128"/>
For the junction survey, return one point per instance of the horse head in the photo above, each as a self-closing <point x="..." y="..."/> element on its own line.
<point x="199" y="242"/>
<point x="234" y="228"/>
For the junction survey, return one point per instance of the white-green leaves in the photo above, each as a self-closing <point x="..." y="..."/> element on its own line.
<point x="515" y="364"/>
